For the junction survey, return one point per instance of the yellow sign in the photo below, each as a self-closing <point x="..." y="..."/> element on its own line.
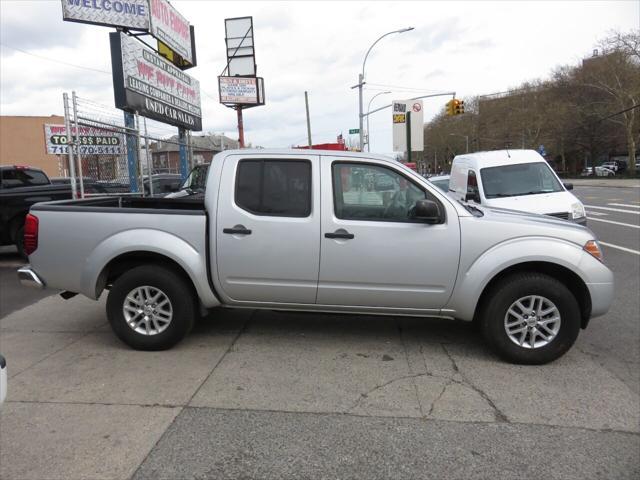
<point x="398" y="118"/>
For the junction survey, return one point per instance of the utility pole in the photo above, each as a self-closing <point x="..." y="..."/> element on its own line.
<point x="306" y="103"/>
<point x="408" y="124"/>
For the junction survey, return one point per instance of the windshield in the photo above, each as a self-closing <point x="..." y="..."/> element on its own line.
<point x="197" y="179"/>
<point x="521" y="179"/>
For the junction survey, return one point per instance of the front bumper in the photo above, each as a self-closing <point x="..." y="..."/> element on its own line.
<point x="29" y="278"/>
<point x="581" y="221"/>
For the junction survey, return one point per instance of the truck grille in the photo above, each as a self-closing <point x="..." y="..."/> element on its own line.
<point x="563" y="215"/>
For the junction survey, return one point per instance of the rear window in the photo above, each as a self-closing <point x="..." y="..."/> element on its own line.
<point x="18" y="177"/>
<point x="274" y="187"/>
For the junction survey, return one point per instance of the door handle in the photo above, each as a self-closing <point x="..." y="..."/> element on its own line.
<point x="343" y="234"/>
<point x="237" y="231"/>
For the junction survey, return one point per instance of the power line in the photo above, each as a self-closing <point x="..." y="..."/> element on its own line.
<point x="54" y="60"/>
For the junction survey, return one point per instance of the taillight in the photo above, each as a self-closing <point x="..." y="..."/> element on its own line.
<point x="30" y="234"/>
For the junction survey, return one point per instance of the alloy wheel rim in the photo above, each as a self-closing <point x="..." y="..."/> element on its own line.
<point x="147" y="310"/>
<point x="532" y="322"/>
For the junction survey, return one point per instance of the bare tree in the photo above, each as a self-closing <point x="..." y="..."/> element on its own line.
<point x="616" y="73"/>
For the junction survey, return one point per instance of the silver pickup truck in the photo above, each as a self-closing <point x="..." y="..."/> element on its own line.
<point x="326" y="232"/>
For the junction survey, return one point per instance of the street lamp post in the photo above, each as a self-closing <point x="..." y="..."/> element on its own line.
<point x="361" y="82"/>
<point x="466" y="137"/>
<point x="369" y="108"/>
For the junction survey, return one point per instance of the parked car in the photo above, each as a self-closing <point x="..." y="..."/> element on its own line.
<point x="441" y="181"/>
<point x="616" y="166"/>
<point x="309" y="231"/>
<point x="600" y="172"/>
<point x="93" y="186"/>
<point x="514" y="179"/>
<point x="162" y="183"/>
<point x="21" y="187"/>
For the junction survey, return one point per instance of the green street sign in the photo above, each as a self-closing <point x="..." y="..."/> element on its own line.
<point x="354" y="130"/>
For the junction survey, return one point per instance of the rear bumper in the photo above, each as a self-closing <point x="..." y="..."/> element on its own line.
<point x="29" y="278"/>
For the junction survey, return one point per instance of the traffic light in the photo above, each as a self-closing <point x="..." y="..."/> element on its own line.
<point x="449" y="108"/>
<point x="454" y="107"/>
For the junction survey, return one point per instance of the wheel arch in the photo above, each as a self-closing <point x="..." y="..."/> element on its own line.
<point x="567" y="277"/>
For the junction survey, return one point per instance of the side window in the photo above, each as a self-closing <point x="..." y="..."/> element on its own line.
<point x="369" y="192"/>
<point x="22" y="177"/>
<point x="473" y="193"/>
<point x="274" y="187"/>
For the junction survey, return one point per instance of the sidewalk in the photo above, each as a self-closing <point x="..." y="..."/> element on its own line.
<point x="604" y="182"/>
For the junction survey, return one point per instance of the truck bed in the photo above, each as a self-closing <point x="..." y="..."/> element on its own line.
<point x="77" y="238"/>
<point x="127" y="204"/>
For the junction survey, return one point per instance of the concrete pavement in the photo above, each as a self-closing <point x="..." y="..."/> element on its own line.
<point x="261" y="394"/>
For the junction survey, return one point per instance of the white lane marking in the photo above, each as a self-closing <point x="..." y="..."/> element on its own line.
<point x="611" y="221"/>
<point x="618" y="247"/>
<point x="598" y="214"/>
<point x="623" y="205"/>
<point x="612" y="209"/>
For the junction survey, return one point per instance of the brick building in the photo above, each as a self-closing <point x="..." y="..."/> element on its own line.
<point x="22" y="142"/>
<point x="166" y="154"/>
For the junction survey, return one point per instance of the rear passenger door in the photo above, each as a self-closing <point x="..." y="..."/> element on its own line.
<point x="268" y="229"/>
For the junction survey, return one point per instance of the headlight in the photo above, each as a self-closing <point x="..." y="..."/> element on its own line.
<point x="577" y="211"/>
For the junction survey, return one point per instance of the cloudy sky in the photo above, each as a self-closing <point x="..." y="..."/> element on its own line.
<point x="467" y="47"/>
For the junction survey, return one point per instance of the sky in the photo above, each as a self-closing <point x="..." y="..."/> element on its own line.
<point x="471" y="48"/>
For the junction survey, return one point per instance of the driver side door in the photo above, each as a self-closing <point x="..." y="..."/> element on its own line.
<point x="373" y="253"/>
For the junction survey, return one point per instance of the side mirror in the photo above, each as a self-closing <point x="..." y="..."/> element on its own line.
<point x="568" y="186"/>
<point x="426" y="210"/>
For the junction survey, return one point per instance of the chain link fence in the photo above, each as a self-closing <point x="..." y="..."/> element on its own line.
<point x="109" y="156"/>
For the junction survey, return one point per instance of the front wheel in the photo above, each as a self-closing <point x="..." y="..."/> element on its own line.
<point x="151" y="308"/>
<point x="531" y="318"/>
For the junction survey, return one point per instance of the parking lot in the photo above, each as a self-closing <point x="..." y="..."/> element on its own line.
<point x="266" y="394"/>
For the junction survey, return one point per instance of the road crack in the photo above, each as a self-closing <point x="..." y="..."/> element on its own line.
<point x="499" y="414"/>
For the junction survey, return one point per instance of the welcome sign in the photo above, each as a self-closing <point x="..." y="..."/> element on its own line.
<point x="133" y="14"/>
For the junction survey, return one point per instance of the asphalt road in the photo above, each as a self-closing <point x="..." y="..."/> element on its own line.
<point x="273" y="395"/>
<point x="614" y="340"/>
<point x="14" y="296"/>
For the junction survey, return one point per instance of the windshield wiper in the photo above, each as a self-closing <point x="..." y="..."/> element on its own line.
<point x="532" y="192"/>
<point x="472" y="209"/>
<point x="500" y="195"/>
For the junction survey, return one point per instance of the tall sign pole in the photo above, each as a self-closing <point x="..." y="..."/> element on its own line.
<point x="240" y="127"/>
<point x="132" y="154"/>
<point x="184" y="161"/>
<point x="238" y="84"/>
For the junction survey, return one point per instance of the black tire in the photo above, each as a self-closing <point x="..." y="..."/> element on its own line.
<point x="520" y="285"/>
<point x="174" y="287"/>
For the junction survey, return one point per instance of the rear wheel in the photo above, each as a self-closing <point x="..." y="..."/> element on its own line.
<point x="531" y="318"/>
<point x="151" y="308"/>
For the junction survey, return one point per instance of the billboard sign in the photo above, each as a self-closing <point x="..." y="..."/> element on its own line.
<point x="171" y="28"/>
<point x="146" y="83"/>
<point x="93" y="141"/>
<point x="241" y="60"/>
<point x="400" y="111"/>
<point x="241" y="90"/>
<point x="133" y="14"/>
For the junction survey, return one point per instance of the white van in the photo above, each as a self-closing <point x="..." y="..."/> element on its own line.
<point x="514" y="179"/>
